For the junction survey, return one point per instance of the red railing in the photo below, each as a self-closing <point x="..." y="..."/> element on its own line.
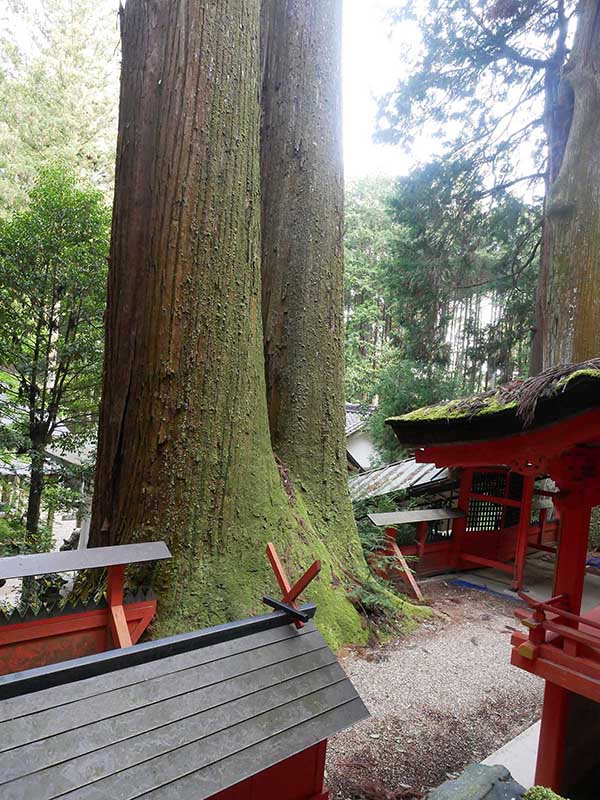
<point x="560" y="646"/>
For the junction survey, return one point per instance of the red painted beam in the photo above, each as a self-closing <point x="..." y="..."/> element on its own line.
<point x="38" y="642"/>
<point x="546" y="441"/>
<point x="117" y="621"/>
<point x="290" y="593"/>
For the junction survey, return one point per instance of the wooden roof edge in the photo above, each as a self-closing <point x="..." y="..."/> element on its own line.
<point x="32" y="564"/>
<point x="34" y="680"/>
<point x="524" y="406"/>
<point x="416" y="515"/>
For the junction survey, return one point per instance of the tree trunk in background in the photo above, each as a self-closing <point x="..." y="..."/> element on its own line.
<point x="184" y="451"/>
<point x="302" y="260"/>
<point x="568" y="326"/>
<point x="36" y="487"/>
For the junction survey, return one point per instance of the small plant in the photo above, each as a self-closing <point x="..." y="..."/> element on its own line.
<point x="540" y="793"/>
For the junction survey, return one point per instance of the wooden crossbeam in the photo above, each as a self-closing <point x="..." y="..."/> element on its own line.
<point x="117" y="621"/>
<point x="405" y="571"/>
<point x="290" y="593"/>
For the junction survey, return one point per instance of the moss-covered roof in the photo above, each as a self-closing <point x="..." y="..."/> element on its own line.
<point x="554" y="394"/>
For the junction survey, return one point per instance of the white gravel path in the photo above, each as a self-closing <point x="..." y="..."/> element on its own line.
<point x="440" y="698"/>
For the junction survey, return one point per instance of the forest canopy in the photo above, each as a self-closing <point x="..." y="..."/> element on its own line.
<point x="439" y="289"/>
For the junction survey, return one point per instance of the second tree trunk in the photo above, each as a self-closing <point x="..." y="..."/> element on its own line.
<point x="302" y="260"/>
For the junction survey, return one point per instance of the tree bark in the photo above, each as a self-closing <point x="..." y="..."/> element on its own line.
<point x="302" y="260"/>
<point x="36" y="488"/>
<point x="184" y="452"/>
<point x="568" y="318"/>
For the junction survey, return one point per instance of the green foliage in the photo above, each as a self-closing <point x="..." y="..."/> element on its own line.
<point x="58" y="92"/>
<point x="477" y="79"/>
<point x="53" y="269"/>
<point x="14" y="539"/>
<point x="369" y="233"/>
<point x="60" y="497"/>
<point x="459" y="274"/>
<point x="540" y="793"/>
<point x="439" y="290"/>
<point x="406" y="385"/>
<point x="371" y="537"/>
<point x="372" y="599"/>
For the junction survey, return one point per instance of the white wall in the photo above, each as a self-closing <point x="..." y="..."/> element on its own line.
<point x="361" y="448"/>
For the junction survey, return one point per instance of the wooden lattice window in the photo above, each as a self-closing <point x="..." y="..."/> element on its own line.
<point x="504" y="490"/>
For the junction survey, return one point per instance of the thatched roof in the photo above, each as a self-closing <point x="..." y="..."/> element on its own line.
<point x="554" y="394"/>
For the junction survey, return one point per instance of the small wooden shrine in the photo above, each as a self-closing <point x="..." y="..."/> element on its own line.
<point x="240" y="711"/>
<point x="548" y="425"/>
<point x="493" y="525"/>
<point x="57" y="629"/>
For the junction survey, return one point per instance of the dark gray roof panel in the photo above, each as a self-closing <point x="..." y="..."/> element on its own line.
<point x="22" y="705"/>
<point x="24" y="566"/>
<point x="184" y="726"/>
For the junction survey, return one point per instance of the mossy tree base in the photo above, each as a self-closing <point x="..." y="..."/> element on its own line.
<point x="184" y="447"/>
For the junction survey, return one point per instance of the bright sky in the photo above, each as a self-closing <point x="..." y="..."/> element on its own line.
<point x="372" y="63"/>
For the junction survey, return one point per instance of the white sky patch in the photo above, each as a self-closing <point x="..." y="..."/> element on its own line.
<point x="371" y="67"/>
<point x="376" y="55"/>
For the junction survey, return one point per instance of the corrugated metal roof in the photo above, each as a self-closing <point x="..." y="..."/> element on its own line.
<point x="357" y="416"/>
<point x="393" y="478"/>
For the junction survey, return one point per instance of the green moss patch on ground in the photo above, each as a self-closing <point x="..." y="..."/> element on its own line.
<point x="540" y="793"/>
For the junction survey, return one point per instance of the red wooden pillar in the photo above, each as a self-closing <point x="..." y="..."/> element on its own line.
<point x="574" y="502"/>
<point x="575" y="510"/>
<point x="523" y="532"/>
<point x="459" y="525"/>
<point x="551" y="748"/>
<point x="117" y="622"/>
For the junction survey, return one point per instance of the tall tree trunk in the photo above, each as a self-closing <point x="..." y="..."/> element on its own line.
<point x="36" y="488"/>
<point x="302" y="260"/>
<point x="568" y="325"/>
<point x="184" y="452"/>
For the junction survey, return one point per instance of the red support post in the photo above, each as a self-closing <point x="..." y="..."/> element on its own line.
<point x="575" y="512"/>
<point x="553" y="729"/>
<point x="117" y="621"/>
<point x="459" y="525"/>
<point x="523" y="533"/>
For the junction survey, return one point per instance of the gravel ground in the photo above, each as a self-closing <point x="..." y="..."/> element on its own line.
<point x="439" y="698"/>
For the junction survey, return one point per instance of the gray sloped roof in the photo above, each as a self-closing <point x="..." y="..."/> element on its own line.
<point x="176" y="719"/>
<point x="357" y="416"/>
<point x="395" y="477"/>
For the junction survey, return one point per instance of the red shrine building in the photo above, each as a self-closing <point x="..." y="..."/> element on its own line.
<point x="505" y="441"/>
<point x="239" y="711"/>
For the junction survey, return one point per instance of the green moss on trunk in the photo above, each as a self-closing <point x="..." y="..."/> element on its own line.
<point x="569" y="311"/>
<point x="184" y="449"/>
<point x="302" y="269"/>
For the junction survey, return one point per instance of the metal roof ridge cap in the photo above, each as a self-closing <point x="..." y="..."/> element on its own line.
<point x="39" y="678"/>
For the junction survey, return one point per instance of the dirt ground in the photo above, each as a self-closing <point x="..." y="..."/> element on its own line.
<point x="440" y="698"/>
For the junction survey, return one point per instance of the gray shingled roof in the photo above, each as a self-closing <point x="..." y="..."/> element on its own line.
<point x="357" y="416"/>
<point x="393" y="478"/>
<point x="177" y="719"/>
